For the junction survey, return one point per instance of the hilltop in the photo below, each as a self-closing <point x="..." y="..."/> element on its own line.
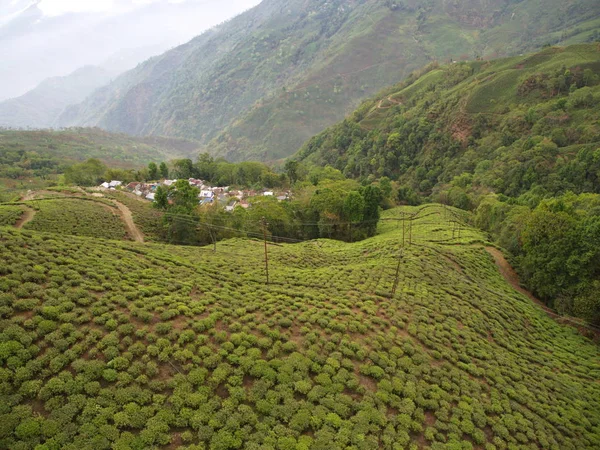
<point x="261" y="84"/>
<point x="110" y="344"/>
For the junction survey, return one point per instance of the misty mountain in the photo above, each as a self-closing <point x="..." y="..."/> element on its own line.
<point x="263" y="83"/>
<point x="35" y="46"/>
<point x="40" y="107"/>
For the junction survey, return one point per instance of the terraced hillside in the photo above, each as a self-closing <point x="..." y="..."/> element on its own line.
<point x="79" y="213"/>
<point x="125" y="345"/>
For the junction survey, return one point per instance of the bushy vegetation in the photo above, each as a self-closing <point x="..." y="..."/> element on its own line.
<point x="525" y="128"/>
<point x="118" y="345"/>
<point x="80" y="217"/>
<point x="9" y="215"/>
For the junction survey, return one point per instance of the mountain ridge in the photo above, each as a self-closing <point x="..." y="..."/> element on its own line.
<point x="41" y="107"/>
<point x="289" y="70"/>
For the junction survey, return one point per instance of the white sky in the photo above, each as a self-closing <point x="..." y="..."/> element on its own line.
<point x="36" y="46"/>
<point x="58" y="7"/>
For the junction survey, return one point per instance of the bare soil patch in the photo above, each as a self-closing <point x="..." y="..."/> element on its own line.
<point x="27" y="216"/>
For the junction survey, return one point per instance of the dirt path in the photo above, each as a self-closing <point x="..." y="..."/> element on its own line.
<point x="30" y="196"/>
<point x="389" y="99"/>
<point x="132" y="228"/>
<point x="511" y="276"/>
<point x="27" y="216"/>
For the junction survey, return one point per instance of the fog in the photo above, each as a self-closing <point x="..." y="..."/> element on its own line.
<point x="45" y="38"/>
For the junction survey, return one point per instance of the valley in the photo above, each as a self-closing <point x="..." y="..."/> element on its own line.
<point x="260" y="85"/>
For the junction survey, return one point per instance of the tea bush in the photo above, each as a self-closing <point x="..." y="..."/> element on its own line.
<point x="124" y="346"/>
<point x="77" y="216"/>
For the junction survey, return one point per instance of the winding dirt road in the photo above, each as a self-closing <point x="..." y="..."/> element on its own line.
<point x="27" y="216"/>
<point x="132" y="228"/>
<point x="509" y="274"/>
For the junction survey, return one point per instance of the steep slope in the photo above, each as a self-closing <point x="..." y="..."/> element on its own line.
<point x="283" y="71"/>
<point x="41" y="107"/>
<point x="508" y="125"/>
<point x="121" y="345"/>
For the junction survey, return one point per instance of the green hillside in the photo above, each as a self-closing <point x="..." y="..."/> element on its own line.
<point x="266" y="81"/>
<point x="121" y="345"/>
<point x="42" y="152"/>
<point x="517" y="139"/>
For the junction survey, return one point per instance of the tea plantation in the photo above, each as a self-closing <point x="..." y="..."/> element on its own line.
<point x="119" y="345"/>
<point x="10" y="214"/>
<point x="79" y="217"/>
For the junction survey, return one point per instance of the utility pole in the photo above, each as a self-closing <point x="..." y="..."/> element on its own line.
<point x="212" y="237"/>
<point x="403" y="230"/>
<point x="410" y="231"/>
<point x="397" y="271"/>
<point x="264" y="225"/>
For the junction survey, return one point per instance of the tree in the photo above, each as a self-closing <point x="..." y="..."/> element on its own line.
<point x="206" y="167"/>
<point x="354" y="207"/>
<point x="161" y="198"/>
<point x="152" y="171"/>
<point x="89" y="173"/>
<point x="291" y="168"/>
<point x="373" y="197"/>
<point x="164" y="170"/>
<point x="185" y="196"/>
<point x="184" y="168"/>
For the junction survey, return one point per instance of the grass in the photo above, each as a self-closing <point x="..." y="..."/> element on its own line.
<point x="79" y="217"/>
<point x="123" y="345"/>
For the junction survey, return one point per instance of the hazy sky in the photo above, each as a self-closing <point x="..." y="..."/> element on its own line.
<point x="46" y="38"/>
<point x="57" y="7"/>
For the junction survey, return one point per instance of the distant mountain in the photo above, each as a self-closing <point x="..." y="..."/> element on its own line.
<point x="37" y="43"/>
<point x="258" y="86"/>
<point x="40" y="107"/>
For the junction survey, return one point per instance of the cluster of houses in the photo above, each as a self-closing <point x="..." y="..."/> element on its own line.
<point x="230" y="198"/>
